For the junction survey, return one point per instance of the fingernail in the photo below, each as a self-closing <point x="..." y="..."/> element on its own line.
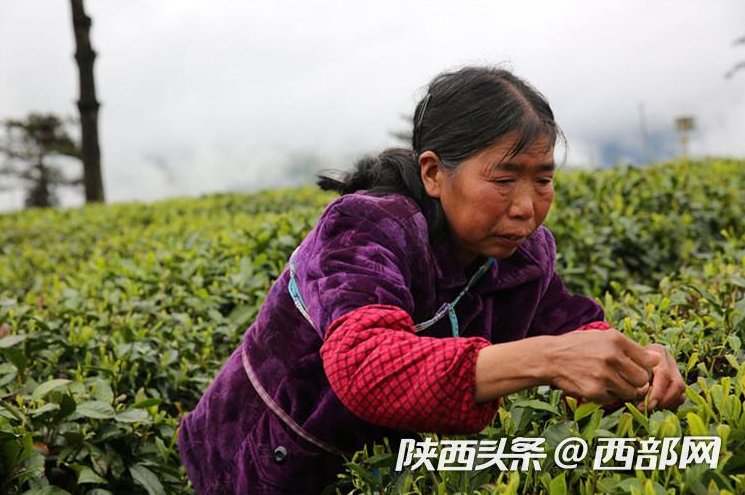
<point x="652" y="404"/>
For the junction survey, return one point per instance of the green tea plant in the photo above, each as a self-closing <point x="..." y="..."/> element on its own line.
<point x="636" y="225"/>
<point x="699" y="315"/>
<point x="114" y="319"/>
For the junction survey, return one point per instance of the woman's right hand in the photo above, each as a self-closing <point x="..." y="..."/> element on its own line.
<point x="602" y="366"/>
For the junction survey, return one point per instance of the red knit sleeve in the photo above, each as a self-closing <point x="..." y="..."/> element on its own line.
<point x="596" y="325"/>
<point x="386" y="374"/>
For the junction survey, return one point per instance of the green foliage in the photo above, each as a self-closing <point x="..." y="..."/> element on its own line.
<point x="637" y="225"/>
<point x="31" y="149"/>
<point x="703" y="333"/>
<point x="114" y="319"/>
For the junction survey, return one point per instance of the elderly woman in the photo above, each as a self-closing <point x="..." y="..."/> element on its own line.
<point x="426" y="292"/>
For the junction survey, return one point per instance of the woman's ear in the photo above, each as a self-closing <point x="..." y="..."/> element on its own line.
<point x="431" y="172"/>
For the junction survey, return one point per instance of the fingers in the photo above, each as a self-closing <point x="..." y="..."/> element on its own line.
<point x="668" y="386"/>
<point x="634" y="374"/>
<point x="660" y="384"/>
<point x="601" y="396"/>
<point x="624" y="389"/>
<point x="646" y="358"/>
<point x="605" y="366"/>
<point x="631" y="378"/>
<point x="675" y="394"/>
<point x="631" y="394"/>
<point x="618" y="391"/>
<point x="625" y="380"/>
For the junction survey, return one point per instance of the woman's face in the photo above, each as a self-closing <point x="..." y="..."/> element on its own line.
<point x="492" y="202"/>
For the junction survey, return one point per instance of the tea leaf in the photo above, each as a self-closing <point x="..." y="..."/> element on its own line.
<point x="146" y="479"/>
<point x="11" y="341"/>
<point x="585" y="410"/>
<point x="42" y="390"/>
<point x="696" y="424"/>
<point x="132" y="416"/>
<point x="96" y="409"/>
<point x="87" y="475"/>
<point x="558" y="485"/>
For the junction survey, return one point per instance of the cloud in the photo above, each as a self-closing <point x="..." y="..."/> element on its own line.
<point x="201" y="97"/>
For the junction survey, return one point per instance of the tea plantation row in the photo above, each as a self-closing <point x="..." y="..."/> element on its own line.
<point x="113" y="320"/>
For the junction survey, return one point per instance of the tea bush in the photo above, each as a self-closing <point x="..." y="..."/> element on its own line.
<point x="699" y="315"/>
<point x="113" y="320"/>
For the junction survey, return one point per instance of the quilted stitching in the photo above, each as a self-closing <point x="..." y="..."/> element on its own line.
<point x="386" y="374"/>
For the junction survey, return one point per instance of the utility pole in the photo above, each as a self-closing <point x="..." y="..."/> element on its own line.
<point x="685" y="124"/>
<point x="644" y="136"/>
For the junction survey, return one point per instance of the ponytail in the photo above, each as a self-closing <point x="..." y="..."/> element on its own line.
<point x="395" y="170"/>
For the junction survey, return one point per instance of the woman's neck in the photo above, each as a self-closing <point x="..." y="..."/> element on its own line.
<point x="469" y="261"/>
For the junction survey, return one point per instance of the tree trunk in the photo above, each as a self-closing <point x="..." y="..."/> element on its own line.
<point x="87" y="105"/>
<point x="39" y="196"/>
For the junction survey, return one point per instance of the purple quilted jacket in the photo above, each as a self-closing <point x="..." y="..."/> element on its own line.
<point x="365" y="249"/>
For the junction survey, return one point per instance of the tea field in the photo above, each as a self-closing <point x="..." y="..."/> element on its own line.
<point x="113" y="320"/>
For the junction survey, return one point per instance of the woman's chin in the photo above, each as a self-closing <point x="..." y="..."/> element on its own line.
<point x="501" y="252"/>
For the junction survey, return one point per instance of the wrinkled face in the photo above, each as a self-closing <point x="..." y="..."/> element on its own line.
<point x="492" y="202"/>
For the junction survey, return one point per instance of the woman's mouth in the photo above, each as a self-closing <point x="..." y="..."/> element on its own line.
<point x="511" y="240"/>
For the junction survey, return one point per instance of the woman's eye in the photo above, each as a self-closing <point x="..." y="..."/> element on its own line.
<point x="503" y="182"/>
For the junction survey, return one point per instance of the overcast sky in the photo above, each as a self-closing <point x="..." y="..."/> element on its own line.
<point x="217" y="95"/>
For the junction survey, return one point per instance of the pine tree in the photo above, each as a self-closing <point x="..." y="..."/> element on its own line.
<point x="33" y="149"/>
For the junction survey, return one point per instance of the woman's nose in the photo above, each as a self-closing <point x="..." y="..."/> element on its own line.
<point x="522" y="205"/>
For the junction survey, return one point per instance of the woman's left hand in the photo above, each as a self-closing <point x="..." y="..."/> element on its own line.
<point x="668" y="387"/>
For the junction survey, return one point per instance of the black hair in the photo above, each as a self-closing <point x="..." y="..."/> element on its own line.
<point x="463" y="112"/>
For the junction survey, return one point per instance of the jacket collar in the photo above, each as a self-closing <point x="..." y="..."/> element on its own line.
<point x="506" y="273"/>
